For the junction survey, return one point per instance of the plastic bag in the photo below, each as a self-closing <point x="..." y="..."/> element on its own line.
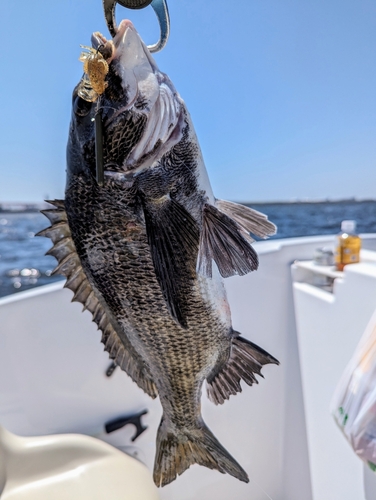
<point x="354" y="402"/>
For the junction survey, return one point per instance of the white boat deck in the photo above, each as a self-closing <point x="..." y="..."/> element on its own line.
<point x="52" y="379"/>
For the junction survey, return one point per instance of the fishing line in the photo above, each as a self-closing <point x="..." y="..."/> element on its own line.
<point x="99" y="145"/>
<point x="106" y="107"/>
<point x="188" y="168"/>
<point x="260" y="488"/>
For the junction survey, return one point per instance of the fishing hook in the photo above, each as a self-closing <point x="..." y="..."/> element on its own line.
<point x="160" y="8"/>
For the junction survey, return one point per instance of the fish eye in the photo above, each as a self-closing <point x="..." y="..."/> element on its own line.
<point x="81" y="107"/>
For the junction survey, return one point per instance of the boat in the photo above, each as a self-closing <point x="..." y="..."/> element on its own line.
<point x="56" y="382"/>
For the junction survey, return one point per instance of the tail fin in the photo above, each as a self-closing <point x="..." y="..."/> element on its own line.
<point x="177" y="451"/>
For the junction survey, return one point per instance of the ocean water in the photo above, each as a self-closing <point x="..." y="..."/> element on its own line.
<point x="311" y="219"/>
<point x="23" y="264"/>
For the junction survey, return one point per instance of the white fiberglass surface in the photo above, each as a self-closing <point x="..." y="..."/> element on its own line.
<point x="66" y="467"/>
<point x="52" y="380"/>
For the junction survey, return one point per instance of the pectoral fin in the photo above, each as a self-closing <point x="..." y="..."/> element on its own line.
<point x="223" y="240"/>
<point x="173" y="238"/>
<point x="250" y="220"/>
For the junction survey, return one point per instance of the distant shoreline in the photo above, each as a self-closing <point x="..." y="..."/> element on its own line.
<point x="308" y="202"/>
<point x="24" y="208"/>
<point x="23" y="211"/>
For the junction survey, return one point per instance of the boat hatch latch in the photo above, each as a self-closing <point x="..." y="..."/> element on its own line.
<point x="118" y="423"/>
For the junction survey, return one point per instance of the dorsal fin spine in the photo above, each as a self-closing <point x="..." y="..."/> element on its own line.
<point x="69" y="264"/>
<point x="88" y="303"/>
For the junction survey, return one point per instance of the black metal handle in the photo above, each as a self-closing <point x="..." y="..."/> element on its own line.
<point x="134" y="4"/>
<point x="118" y="423"/>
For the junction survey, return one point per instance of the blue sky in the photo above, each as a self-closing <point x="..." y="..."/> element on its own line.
<point x="282" y="92"/>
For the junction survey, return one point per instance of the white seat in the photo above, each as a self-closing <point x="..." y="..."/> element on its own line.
<point x="69" y="467"/>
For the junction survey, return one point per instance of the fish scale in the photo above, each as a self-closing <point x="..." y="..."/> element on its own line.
<point x="146" y="251"/>
<point x="129" y="278"/>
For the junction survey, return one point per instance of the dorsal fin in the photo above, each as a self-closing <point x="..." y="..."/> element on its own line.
<point x="69" y="264"/>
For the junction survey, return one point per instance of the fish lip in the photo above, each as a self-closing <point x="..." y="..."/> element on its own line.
<point x="105" y="47"/>
<point x="97" y="39"/>
<point x="123" y="27"/>
<point x="120" y="39"/>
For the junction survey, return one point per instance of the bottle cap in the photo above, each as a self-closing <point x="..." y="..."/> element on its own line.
<point x="348" y="226"/>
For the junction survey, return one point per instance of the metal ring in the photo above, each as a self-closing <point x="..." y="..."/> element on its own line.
<point x="160" y="8"/>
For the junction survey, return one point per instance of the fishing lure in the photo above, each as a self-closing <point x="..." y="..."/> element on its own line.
<point x="95" y="68"/>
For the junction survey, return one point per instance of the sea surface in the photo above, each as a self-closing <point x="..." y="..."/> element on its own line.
<point x="23" y="264"/>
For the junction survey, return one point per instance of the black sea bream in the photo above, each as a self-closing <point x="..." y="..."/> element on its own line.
<point x="147" y="251"/>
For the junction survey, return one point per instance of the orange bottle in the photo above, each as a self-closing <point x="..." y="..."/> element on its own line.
<point x="348" y="245"/>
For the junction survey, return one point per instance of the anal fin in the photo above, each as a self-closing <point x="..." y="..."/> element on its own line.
<point x="246" y="361"/>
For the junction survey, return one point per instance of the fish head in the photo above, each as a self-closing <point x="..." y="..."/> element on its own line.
<point x="141" y="112"/>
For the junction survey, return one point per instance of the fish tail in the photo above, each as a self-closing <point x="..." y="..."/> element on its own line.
<point x="178" y="450"/>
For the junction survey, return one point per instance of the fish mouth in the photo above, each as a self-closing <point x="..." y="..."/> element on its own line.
<point x="124" y="26"/>
<point x="132" y="62"/>
<point x="130" y="50"/>
<point x="106" y="47"/>
<point x="99" y="39"/>
<point x="127" y="46"/>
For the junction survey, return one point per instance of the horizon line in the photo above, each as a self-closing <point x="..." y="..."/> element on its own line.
<point x="42" y="203"/>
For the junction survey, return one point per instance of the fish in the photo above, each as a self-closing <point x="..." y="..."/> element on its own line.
<point x="147" y="250"/>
